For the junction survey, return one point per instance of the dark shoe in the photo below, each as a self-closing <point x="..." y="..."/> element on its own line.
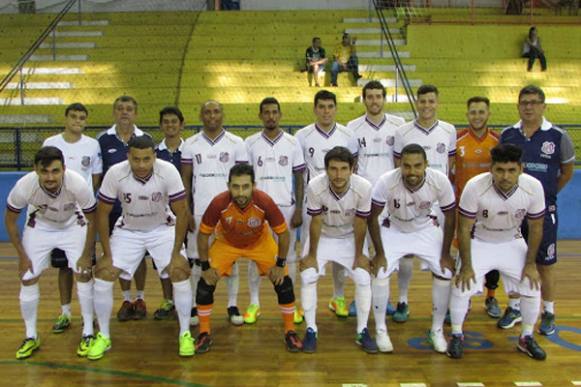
<point x="140" y="310"/>
<point x="293" y="342"/>
<point x="456" y="347"/>
<point x="126" y="311"/>
<point x="203" y="343"/>
<point x="529" y="346"/>
<point x="510" y="319"/>
<point x="310" y="341"/>
<point x="548" y="326"/>
<point x="234" y="316"/>
<point x="365" y="341"/>
<point x="492" y="308"/>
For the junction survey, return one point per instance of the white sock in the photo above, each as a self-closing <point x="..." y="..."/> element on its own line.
<point x="459" y="301"/>
<point x="404" y="276"/>
<point x="66" y="310"/>
<point x="182" y="295"/>
<point x="514" y="303"/>
<point x="440" y="300"/>
<point x="29" y="297"/>
<point x="85" y="294"/>
<point x="253" y="283"/>
<point x="309" y="278"/>
<point x="127" y="295"/>
<point x="103" y="300"/>
<point x="380" y="296"/>
<point x="362" y="297"/>
<point x="140" y="295"/>
<point x="338" y="280"/>
<point x="549" y="306"/>
<point x="530" y="308"/>
<point x="233" y="283"/>
<point x="194" y="279"/>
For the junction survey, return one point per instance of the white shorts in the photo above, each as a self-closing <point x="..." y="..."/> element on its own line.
<point x="508" y="258"/>
<point x="38" y="242"/>
<point x="128" y="248"/>
<point x="426" y="244"/>
<point x="192" y="245"/>
<point x="288" y="215"/>
<point x="341" y="251"/>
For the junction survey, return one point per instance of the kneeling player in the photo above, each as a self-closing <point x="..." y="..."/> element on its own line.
<point x="57" y="199"/>
<point x="241" y="218"/>
<point x="339" y="203"/>
<point x="146" y="187"/>
<point x="492" y="207"/>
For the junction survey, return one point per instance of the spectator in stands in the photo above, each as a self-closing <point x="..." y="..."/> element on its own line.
<point x="345" y="59"/>
<point x="315" y="60"/>
<point x="532" y="49"/>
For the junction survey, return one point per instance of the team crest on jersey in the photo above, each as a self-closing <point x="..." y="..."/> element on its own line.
<point x="156" y="196"/>
<point x="283" y="160"/>
<point x="520" y="213"/>
<point x="112" y="150"/>
<point x="224" y="157"/>
<point x="229" y="219"/>
<point x="85" y="161"/>
<point x="550" y="252"/>
<point x="390" y="140"/>
<point x="478" y="151"/>
<point x="425" y="205"/>
<point x="253" y="222"/>
<point x="441" y="147"/>
<point x="548" y="147"/>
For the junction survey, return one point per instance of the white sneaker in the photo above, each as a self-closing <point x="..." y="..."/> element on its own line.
<point x="438" y="341"/>
<point x="383" y="342"/>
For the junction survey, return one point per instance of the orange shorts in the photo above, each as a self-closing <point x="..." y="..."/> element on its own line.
<point x="223" y="255"/>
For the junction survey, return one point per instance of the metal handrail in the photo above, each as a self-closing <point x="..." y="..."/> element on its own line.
<point x="47" y="31"/>
<point x="400" y="71"/>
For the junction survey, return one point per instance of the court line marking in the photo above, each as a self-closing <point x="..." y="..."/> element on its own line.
<point x="104" y="371"/>
<point x="528" y="384"/>
<point x="576" y="382"/>
<point x="413" y="385"/>
<point x="470" y="384"/>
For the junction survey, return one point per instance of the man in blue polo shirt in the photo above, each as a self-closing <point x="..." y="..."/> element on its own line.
<point x="113" y="142"/>
<point x="171" y="123"/>
<point x="548" y="155"/>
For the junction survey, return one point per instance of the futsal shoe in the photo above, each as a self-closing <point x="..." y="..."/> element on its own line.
<point x="166" y="311"/>
<point x="126" y="311"/>
<point x="293" y="342"/>
<point x="252" y="314"/>
<point x="187" y="347"/>
<point x="492" y="308"/>
<point x="62" y="323"/>
<point x="310" y="341"/>
<point x="456" y="346"/>
<point x="529" y="346"/>
<point x="383" y="342"/>
<point x="203" y="343"/>
<point x="298" y="317"/>
<point x="337" y="305"/>
<point x="390" y="310"/>
<point x="100" y="345"/>
<point x="139" y="309"/>
<point x="28" y="346"/>
<point x="548" y="326"/>
<point x="234" y="316"/>
<point x="85" y="345"/>
<point x="438" y="341"/>
<point x="365" y="341"/>
<point x="510" y="319"/>
<point x="402" y="312"/>
<point x="194" y="320"/>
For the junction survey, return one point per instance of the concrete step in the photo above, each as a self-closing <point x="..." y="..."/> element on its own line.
<point x="84" y="23"/>
<point x="51" y="70"/>
<point x="378" y="42"/>
<point x="25" y="119"/>
<point x="385" y="54"/>
<point x="40" y="85"/>
<point x="388" y="20"/>
<point x="31" y="101"/>
<point x="70" y="45"/>
<point x="391" y="82"/>
<point x="371" y="30"/>
<point x="384" y="68"/>
<point x="59" y="58"/>
<point x="78" y="33"/>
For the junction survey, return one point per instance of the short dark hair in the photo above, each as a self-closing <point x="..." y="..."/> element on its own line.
<point x="477" y="99"/>
<point x="325" y="95"/>
<point x="532" y="89"/>
<point x="506" y="153"/>
<point x="241" y="170"/>
<point x="339" y="153"/>
<point x="77" y="107"/>
<point x="269" y="101"/>
<point x="125" y="98"/>
<point x="425" y="89"/>
<point x="47" y="154"/>
<point x="374" y="85"/>
<point x="141" y="142"/>
<point x="414" y="149"/>
<point x="171" y="110"/>
<point x="315" y="38"/>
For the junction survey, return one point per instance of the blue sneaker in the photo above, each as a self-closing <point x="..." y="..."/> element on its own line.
<point x="366" y="342"/>
<point x="548" y="326"/>
<point x="310" y="341"/>
<point x="402" y="312"/>
<point x="390" y="310"/>
<point x="352" y="309"/>
<point x="510" y="319"/>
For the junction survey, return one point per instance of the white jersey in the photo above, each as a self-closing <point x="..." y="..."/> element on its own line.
<point x="49" y="210"/>
<point x="375" y="145"/>
<point x="439" y="142"/>
<point x="410" y="210"/>
<point x="274" y="163"/>
<point x="315" y="143"/>
<point x="498" y="214"/>
<point x="211" y="161"/>
<point x="144" y="202"/>
<point x="338" y="210"/>
<point x="83" y="156"/>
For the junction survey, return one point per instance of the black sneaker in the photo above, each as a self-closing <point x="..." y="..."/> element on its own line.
<point x="310" y="341"/>
<point x="509" y="319"/>
<point x="203" y="343"/>
<point x="293" y="342"/>
<point x="529" y="346"/>
<point x="234" y="316"/>
<point x="365" y="341"/>
<point x="456" y="346"/>
<point x="547" y="326"/>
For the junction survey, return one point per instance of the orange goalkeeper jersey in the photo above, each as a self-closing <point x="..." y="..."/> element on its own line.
<point x="472" y="156"/>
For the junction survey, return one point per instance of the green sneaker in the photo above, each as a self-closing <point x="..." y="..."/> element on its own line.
<point x="298" y="317"/>
<point x="100" y="345"/>
<point x="85" y="345"/>
<point x="401" y="313"/>
<point x="187" y="347"/>
<point x="252" y="314"/>
<point x="166" y="311"/>
<point x="61" y="324"/>
<point x="28" y="346"/>
<point x="338" y="306"/>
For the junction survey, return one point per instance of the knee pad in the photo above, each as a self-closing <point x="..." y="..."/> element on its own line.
<point x="309" y="276"/>
<point x="204" y="293"/>
<point x="285" y="291"/>
<point x="361" y="277"/>
<point x="58" y="259"/>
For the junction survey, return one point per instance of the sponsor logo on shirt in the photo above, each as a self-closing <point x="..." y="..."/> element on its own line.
<point x="86" y="161"/>
<point x="441" y="147"/>
<point x="112" y="150"/>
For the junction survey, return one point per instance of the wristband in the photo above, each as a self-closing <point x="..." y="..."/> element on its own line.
<point x="280" y="262"/>
<point x="205" y="265"/>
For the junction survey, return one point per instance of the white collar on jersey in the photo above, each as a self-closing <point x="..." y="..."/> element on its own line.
<point x="163" y="146"/>
<point x="546" y="125"/>
<point x="113" y="131"/>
